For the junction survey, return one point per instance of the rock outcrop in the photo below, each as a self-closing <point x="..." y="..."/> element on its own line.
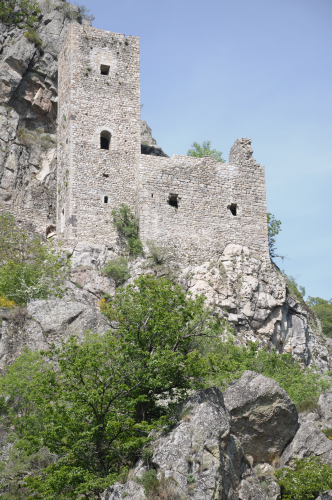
<point x="45" y="322"/>
<point x="263" y="416"/>
<point x="199" y="459"/>
<point x="308" y="441"/>
<point x="252" y="295"/>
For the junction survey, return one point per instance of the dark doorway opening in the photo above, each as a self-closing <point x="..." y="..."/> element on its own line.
<point x="233" y="208"/>
<point x="173" y="200"/>
<point x="105" y="199"/>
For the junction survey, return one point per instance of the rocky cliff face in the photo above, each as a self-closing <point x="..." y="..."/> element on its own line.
<point x="28" y="113"/>
<point x="227" y="446"/>
<point x="249" y="292"/>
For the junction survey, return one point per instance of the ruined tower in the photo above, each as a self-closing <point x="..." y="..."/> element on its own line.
<point x="194" y="206"/>
<point x="98" y="132"/>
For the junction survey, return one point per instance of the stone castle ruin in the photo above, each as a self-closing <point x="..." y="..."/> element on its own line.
<point x="210" y="215"/>
<point x="195" y="205"/>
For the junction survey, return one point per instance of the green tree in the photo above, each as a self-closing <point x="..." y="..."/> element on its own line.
<point x="117" y="269"/>
<point x="199" y="150"/>
<point x="323" y="309"/>
<point x="228" y="362"/>
<point x="274" y="228"/>
<point x="22" y="12"/>
<point x="29" y="267"/>
<point x="95" y="406"/>
<point x="127" y="225"/>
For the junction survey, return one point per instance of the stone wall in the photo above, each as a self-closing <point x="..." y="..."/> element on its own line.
<point x="218" y="203"/>
<point x="92" y="181"/>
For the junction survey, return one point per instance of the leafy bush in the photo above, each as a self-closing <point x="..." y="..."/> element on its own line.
<point x="310" y="404"/>
<point x="4" y="302"/>
<point x="199" y="150"/>
<point x="274" y="228"/>
<point x="33" y="37"/>
<point x="158" y="489"/>
<point x="159" y="254"/>
<point x="327" y="432"/>
<point x="76" y="12"/>
<point x="22" y="12"/>
<point x="29" y="137"/>
<point x="310" y="478"/>
<point x="294" y="289"/>
<point x="29" y="268"/>
<point x="117" y="269"/>
<point x="93" y="410"/>
<point x="229" y="361"/>
<point x="323" y="309"/>
<point x="128" y="228"/>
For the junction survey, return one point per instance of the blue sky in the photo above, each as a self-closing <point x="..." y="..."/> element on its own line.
<point x="222" y="69"/>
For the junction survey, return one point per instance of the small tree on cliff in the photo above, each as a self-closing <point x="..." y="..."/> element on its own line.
<point x="199" y="150"/>
<point x="29" y="267"/>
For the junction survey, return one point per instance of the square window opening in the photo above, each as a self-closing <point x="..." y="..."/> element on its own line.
<point x="104" y="70"/>
<point x="173" y="200"/>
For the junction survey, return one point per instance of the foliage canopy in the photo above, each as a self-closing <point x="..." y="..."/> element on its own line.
<point x="323" y="309"/>
<point x="199" y="150"/>
<point x="29" y="267"/>
<point x="117" y="269"/>
<point x="94" y="407"/>
<point x="310" y="478"/>
<point x="19" y="12"/>
<point x="274" y="228"/>
<point x="127" y="225"/>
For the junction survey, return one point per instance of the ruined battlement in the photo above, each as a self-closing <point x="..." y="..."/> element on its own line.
<point x="195" y="205"/>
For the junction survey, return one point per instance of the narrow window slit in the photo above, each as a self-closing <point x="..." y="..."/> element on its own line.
<point x="105" y="199"/>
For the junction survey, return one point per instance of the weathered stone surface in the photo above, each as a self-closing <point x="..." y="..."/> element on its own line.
<point x="263" y="416"/>
<point x="325" y="404"/>
<point x="202" y="446"/>
<point x="200" y="455"/>
<point x="130" y="490"/>
<point x="62" y="317"/>
<point x="327" y="495"/>
<point x="308" y="441"/>
<point x="89" y="255"/>
<point x="45" y="322"/>
<point x="251" y="294"/>
<point x="250" y="490"/>
<point x="92" y="282"/>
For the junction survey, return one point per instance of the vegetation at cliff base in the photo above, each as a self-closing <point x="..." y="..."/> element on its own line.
<point x="199" y="150"/>
<point x="307" y="481"/>
<point x="29" y="267"/>
<point x="228" y="361"/>
<point x="90" y="412"/>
